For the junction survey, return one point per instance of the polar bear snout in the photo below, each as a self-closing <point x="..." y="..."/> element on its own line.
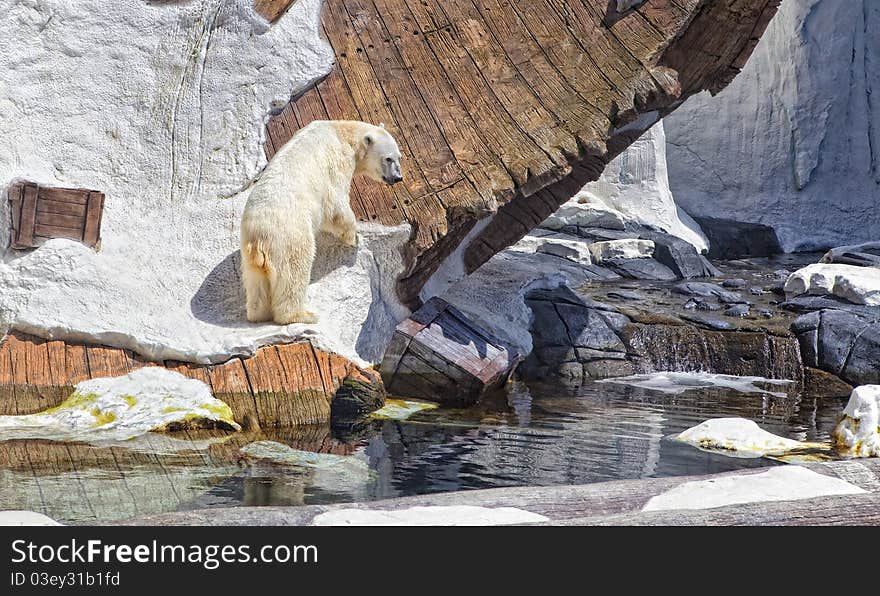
<point x="391" y="171"/>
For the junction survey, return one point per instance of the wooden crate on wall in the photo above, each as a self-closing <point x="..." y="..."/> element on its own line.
<point x="439" y="354"/>
<point x="40" y="213"/>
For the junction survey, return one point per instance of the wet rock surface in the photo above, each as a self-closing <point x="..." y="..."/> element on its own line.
<point x="609" y="329"/>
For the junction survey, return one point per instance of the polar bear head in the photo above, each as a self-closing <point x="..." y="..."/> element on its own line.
<point x="379" y="157"/>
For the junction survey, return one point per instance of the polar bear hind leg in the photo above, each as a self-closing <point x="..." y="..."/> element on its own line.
<point x="288" y="280"/>
<point x="256" y="284"/>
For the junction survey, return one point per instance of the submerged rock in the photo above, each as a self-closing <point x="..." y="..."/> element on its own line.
<point x="708" y="290"/>
<point x="739" y="437"/>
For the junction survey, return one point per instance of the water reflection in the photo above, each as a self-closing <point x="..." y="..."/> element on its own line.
<point x="526" y="436"/>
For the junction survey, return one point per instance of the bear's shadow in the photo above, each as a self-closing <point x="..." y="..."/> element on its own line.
<point x="220" y="299"/>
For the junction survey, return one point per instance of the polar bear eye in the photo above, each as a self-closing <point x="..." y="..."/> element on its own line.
<point x="389" y="159"/>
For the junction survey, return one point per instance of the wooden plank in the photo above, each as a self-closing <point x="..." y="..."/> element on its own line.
<point x="15" y="196"/>
<point x="64" y="195"/>
<point x="310" y="403"/>
<point x="94" y="215"/>
<point x="108" y="362"/>
<point x="28" y="217"/>
<point x="43" y="233"/>
<point x="49" y="219"/>
<point x="271" y="10"/>
<point x="230" y="383"/>
<point x="61" y="208"/>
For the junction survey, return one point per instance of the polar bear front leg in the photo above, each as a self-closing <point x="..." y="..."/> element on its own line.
<point x="288" y="281"/>
<point x="343" y="225"/>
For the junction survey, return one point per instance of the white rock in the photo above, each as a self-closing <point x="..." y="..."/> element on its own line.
<point x="785" y="483"/>
<point x="738" y="437"/>
<point x="572" y="250"/>
<point x="434" y="515"/>
<point x="579" y="212"/>
<point x="163" y="105"/>
<point x="858" y="432"/>
<point x="25" y="518"/>
<point x="794" y="141"/>
<point x="859" y="285"/>
<point x="634" y="187"/>
<point x="629" y="248"/>
<point x="113" y="409"/>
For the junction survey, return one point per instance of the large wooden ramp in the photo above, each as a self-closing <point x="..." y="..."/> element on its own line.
<point x="510" y="103"/>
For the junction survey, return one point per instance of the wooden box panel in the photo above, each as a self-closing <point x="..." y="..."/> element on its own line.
<point x="440" y="355"/>
<point x="40" y="213"/>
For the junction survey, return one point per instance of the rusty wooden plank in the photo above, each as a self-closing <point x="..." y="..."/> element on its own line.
<point x="64" y="195"/>
<point x="94" y="214"/>
<point x="77" y="362"/>
<point x="310" y="402"/>
<point x="43" y="233"/>
<point x="25" y="237"/>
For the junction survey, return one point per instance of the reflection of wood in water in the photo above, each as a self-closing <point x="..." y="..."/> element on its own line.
<point x="280" y="386"/>
<point x="78" y="482"/>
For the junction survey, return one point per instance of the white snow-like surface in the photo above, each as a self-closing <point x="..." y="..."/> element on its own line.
<point x="634" y="187"/>
<point x="113" y="409"/>
<point x="435" y="515"/>
<point x="785" y="483"/>
<point x="794" y="141"/>
<point x="858" y="432"/>
<point x="26" y="518"/>
<point x="679" y="382"/>
<point x="739" y="437"/>
<point x="163" y="107"/>
<point x="859" y="285"/>
<point x="628" y="248"/>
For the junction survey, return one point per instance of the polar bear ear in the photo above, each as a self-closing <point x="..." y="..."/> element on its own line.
<point x="368" y="140"/>
<point x="382" y="125"/>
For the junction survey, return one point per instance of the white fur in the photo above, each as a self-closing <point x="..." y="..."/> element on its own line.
<point x="303" y="190"/>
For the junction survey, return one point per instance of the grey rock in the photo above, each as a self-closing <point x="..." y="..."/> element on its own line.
<point x="707" y="306"/>
<point x="648" y="269"/>
<point x="863" y="365"/>
<point x="734" y="284"/>
<point x="690" y="304"/>
<point x="730" y="239"/>
<point x="737" y="310"/>
<point x="806" y="327"/>
<point x="756" y="291"/>
<point x="708" y="290"/>
<point x="626" y="295"/>
<point x="838" y="330"/>
<point x="765" y="312"/>
<point x="711" y="322"/>
<point x="587" y="328"/>
<point x="860" y="255"/>
<point x="679" y="256"/>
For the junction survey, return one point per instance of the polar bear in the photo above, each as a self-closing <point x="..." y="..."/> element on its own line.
<point x="304" y="189"/>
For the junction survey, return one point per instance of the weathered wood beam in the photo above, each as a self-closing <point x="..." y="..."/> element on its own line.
<point x="272" y="10"/>
<point x="280" y="386"/>
<point x="509" y="104"/>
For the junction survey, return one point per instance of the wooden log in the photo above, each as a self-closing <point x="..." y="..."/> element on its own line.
<point x="510" y="105"/>
<point x="439" y="354"/>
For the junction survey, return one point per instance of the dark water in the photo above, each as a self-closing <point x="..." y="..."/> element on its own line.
<point x="528" y="436"/>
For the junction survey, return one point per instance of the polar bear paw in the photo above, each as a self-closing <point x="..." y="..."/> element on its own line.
<point x="302" y="316"/>
<point x="350" y="238"/>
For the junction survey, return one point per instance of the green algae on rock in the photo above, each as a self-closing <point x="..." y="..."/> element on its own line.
<point x="122" y="408"/>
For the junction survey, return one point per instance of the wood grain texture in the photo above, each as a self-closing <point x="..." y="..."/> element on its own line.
<point x="271" y="10"/>
<point x="40" y="213"/>
<point x="280" y="386"/>
<point x="511" y="104"/>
